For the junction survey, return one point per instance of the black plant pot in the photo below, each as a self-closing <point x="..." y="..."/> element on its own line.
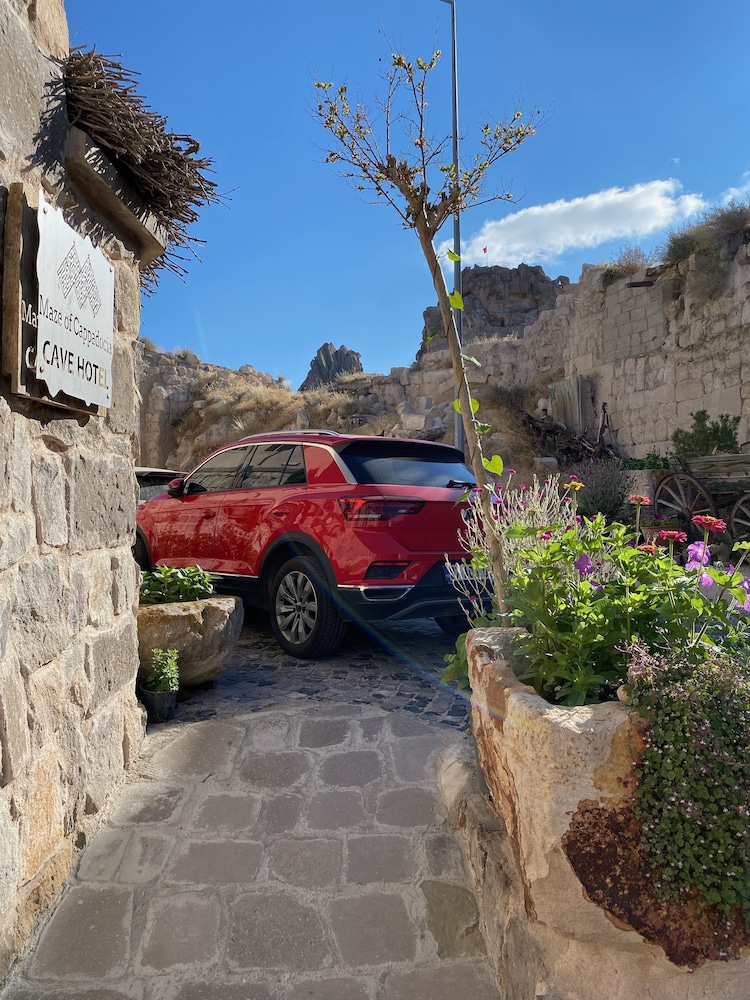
<point x="160" y="705"/>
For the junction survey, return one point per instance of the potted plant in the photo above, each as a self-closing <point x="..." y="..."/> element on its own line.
<point x="159" y="690"/>
<point x="178" y="609"/>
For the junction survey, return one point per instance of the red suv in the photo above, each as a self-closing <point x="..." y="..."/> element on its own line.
<point x="320" y="528"/>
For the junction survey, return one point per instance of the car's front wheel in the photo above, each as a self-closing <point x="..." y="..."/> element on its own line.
<point x="304" y="619"/>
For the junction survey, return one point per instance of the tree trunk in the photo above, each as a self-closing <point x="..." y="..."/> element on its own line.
<point x="464" y="396"/>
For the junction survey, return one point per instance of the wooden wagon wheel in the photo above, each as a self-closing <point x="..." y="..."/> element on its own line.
<point x="679" y="495"/>
<point x="739" y="519"/>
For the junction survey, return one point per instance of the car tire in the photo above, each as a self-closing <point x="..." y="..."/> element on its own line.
<point x="453" y="625"/>
<point x="140" y="552"/>
<point x="304" y="619"/>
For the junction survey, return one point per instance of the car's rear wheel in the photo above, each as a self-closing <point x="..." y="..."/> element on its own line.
<point x="304" y="619"/>
<point x="140" y="552"/>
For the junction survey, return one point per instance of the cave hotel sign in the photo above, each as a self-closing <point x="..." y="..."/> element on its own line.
<point x="74" y="320"/>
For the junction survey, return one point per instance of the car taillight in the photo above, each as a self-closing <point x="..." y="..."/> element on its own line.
<point x="378" y="508"/>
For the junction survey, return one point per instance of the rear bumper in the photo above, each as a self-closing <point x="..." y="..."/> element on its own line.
<point x="432" y="597"/>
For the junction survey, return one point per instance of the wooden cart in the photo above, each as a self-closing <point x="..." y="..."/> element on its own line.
<point x="710" y="484"/>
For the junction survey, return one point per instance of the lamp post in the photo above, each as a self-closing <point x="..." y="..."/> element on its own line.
<point x="457" y="314"/>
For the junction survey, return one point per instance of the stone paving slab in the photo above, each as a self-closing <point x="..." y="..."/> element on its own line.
<point x="281" y="839"/>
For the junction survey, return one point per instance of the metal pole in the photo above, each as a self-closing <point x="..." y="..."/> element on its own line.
<point x="457" y="313"/>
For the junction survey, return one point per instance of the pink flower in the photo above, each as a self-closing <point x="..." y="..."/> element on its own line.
<point x="641" y="500"/>
<point x="708" y="523"/>
<point x="667" y="535"/>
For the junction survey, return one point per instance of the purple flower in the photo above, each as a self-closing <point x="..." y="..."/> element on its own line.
<point x="584" y="565"/>
<point x="698" y="555"/>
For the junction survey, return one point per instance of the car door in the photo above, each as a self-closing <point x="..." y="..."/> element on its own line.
<point x="185" y="526"/>
<point x="250" y="514"/>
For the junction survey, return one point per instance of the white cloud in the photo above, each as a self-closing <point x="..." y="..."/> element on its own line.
<point x="739" y="193"/>
<point x="543" y="233"/>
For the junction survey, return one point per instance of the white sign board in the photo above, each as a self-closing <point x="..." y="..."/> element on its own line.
<point x="75" y="317"/>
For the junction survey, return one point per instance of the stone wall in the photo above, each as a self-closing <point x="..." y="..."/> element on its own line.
<point x="552" y="846"/>
<point x="69" y="720"/>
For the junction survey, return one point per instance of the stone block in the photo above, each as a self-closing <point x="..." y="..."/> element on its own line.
<point x="6" y="449"/>
<point x="216" y="862"/>
<point x="111" y="661"/>
<point x="42" y="830"/>
<point x="308" y="863"/>
<point x="208" y="748"/>
<point x="123" y="413"/>
<point x="102" y="500"/>
<point x="406" y="807"/>
<point x="275" y="770"/>
<point x="21" y="464"/>
<point x="380" y="858"/>
<point x="357" y="767"/>
<point x="272" y="930"/>
<point x="99" y="575"/>
<point x="102" y="752"/>
<point x="323" y="732"/>
<point x="204" y="632"/>
<point x="353" y="921"/>
<point x="127" y="298"/>
<point x="269" y="732"/>
<point x="17" y="539"/>
<point x="196" y="917"/>
<point x="453" y="920"/>
<point x="444" y="983"/>
<point x="38" y="617"/>
<point x="227" y="815"/>
<point x="329" y="989"/>
<point x="282" y="814"/>
<point x="48" y="491"/>
<point x="335" y="810"/>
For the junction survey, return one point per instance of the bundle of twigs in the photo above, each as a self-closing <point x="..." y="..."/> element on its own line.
<point x="162" y="168"/>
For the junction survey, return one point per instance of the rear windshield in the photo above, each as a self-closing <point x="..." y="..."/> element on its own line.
<point x="397" y="463"/>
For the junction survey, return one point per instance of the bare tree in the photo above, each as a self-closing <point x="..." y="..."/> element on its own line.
<point x="425" y="189"/>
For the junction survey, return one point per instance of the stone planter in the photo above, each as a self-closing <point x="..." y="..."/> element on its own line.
<point x="204" y="632"/>
<point x="575" y="919"/>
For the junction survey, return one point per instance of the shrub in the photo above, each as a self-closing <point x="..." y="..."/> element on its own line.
<point x="653" y="460"/>
<point x="164" y="674"/>
<point x="169" y="584"/>
<point x="583" y="590"/>
<point x="693" y="789"/>
<point x="707" y="437"/>
<point x="629" y="261"/>
<point x="607" y="487"/>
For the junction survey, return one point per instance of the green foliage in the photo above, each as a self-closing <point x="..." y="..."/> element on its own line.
<point x="693" y="790"/>
<point x="165" y="672"/>
<point x="653" y="460"/>
<point x="607" y="487"/>
<point x="585" y="596"/>
<point x="707" y="437"/>
<point x="168" y="584"/>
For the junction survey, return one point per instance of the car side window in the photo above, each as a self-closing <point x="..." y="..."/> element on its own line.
<point x="219" y="472"/>
<point x="275" y="465"/>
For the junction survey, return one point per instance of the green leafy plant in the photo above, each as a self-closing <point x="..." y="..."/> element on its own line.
<point x="583" y="591"/>
<point x="165" y="672"/>
<point x="652" y="460"/>
<point x="707" y="437"/>
<point x="693" y="777"/>
<point x="169" y="584"/>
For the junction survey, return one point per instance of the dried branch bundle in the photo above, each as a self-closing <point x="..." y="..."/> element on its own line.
<point x="161" y="167"/>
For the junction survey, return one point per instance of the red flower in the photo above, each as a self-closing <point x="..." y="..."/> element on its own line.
<point x="640" y="500"/>
<point x="667" y="535"/>
<point x="708" y="523"/>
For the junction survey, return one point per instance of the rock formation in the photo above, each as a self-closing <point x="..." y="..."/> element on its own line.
<point x="498" y="302"/>
<point x="328" y="363"/>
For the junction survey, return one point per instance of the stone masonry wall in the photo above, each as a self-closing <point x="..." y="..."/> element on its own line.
<point x="69" y="719"/>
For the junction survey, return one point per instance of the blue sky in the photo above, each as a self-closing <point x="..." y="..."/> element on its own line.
<point x="647" y="127"/>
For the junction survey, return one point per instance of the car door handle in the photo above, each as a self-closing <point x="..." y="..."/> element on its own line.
<point x="208" y="514"/>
